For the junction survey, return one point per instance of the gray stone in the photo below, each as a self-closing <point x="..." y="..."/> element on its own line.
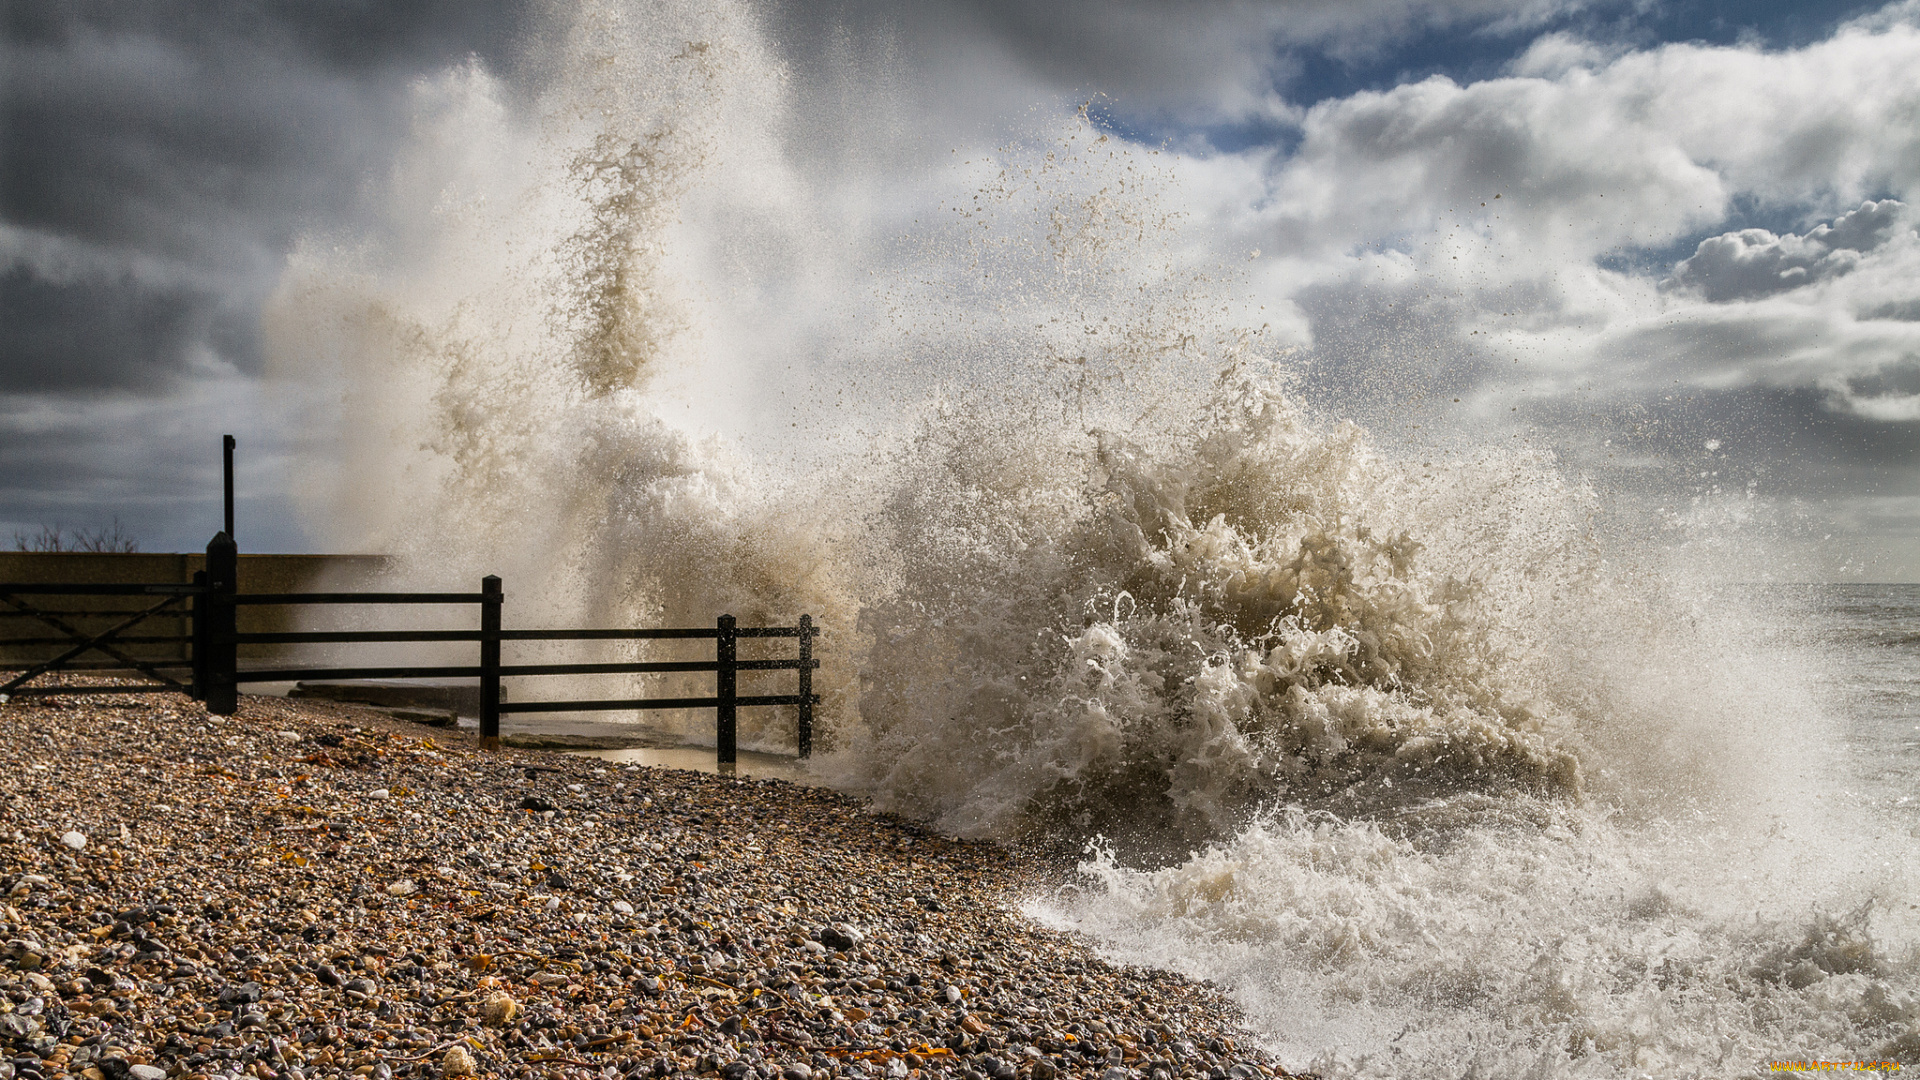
<point x="15" y="1026"/>
<point x="25" y="954"/>
<point x="842" y="937"/>
<point x="240" y="994"/>
<point x="146" y="1072"/>
<point x="799" y="1070"/>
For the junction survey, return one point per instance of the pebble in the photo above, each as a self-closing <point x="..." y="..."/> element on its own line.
<point x="841" y="937"/>
<point x="703" y="925"/>
<point x="75" y="839"/>
<point x="242" y="994"/>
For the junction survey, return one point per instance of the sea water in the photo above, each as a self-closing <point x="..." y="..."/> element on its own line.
<point x="1614" y="940"/>
<point x="1432" y="769"/>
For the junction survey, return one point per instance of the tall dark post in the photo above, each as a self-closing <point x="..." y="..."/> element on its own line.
<point x="490" y="604"/>
<point x="806" y="686"/>
<point x="226" y="447"/>
<point x="201" y="627"/>
<point x="724" y="689"/>
<point x="222" y="669"/>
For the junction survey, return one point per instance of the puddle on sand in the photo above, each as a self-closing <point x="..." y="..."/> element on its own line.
<point x="701" y="759"/>
<point x="557" y="730"/>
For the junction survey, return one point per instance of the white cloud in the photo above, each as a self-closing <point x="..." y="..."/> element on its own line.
<point x="1503" y="202"/>
<point x="1636" y="151"/>
<point x="1753" y="263"/>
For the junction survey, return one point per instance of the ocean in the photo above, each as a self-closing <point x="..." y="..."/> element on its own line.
<point x="1876" y="630"/>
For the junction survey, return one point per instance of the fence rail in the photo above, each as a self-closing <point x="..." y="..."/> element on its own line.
<point x="42" y="588"/>
<point x="244" y="599"/>
<point x="217" y="677"/>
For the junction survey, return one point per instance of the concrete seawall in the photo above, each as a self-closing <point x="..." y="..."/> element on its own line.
<point x="24" y="638"/>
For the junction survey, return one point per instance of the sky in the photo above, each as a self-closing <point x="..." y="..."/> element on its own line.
<point x="1675" y="243"/>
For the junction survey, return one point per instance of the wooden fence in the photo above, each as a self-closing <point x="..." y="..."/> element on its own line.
<point x="214" y="644"/>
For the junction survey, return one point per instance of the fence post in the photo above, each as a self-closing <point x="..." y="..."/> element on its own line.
<point x="725" y="689"/>
<point x="202" y="624"/>
<point x="226" y="454"/>
<point x="220" y="675"/>
<point x="490" y="604"/>
<point x="806" y="686"/>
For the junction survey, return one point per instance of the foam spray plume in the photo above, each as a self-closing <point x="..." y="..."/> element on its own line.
<point x="1406" y="757"/>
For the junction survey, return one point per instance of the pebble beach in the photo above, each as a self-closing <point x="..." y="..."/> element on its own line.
<point x="314" y="889"/>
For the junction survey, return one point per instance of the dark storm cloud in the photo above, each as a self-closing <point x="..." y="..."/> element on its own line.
<point x="84" y="336"/>
<point x="156" y="160"/>
<point x="151" y="464"/>
<point x="1649" y="449"/>
<point x="165" y="154"/>
<point x="344" y="34"/>
<point x="1793" y="432"/>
